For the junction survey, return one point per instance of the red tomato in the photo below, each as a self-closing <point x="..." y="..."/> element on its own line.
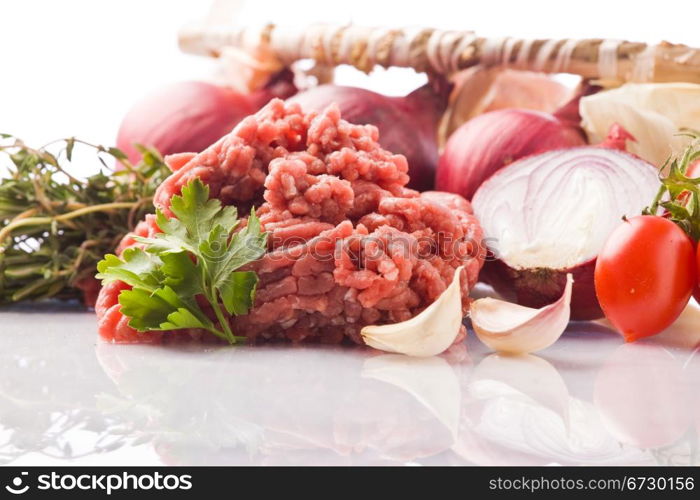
<point x="693" y="172"/>
<point x="645" y="275"/>
<point x="696" y="293"/>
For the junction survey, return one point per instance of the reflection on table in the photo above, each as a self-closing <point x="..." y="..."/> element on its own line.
<point x="589" y="399"/>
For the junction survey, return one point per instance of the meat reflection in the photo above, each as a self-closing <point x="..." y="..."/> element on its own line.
<point x="329" y="405"/>
<point x="198" y="404"/>
<point x="309" y="405"/>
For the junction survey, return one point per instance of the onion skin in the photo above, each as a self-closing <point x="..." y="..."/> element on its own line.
<point x="537" y="288"/>
<point x="487" y="143"/>
<point x="407" y="125"/>
<point x="189" y="116"/>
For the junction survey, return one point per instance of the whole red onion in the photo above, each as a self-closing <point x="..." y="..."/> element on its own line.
<point x="488" y="142"/>
<point x="189" y="116"/>
<point x="407" y="125"/>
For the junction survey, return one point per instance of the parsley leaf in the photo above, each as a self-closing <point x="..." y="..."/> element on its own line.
<point x="238" y="292"/>
<point x="198" y="254"/>
<point x="136" y="268"/>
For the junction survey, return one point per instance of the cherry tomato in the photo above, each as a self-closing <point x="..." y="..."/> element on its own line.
<point x="693" y="172"/>
<point x="645" y="275"/>
<point x="696" y="293"/>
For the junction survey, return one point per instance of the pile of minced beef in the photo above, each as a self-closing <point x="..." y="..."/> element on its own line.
<point x="349" y="244"/>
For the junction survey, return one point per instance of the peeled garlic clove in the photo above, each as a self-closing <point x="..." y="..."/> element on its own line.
<point x="516" y="329"/>
<point x="427" y="334"/>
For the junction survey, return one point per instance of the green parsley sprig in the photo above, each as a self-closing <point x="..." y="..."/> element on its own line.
<point x="197" y="254"/>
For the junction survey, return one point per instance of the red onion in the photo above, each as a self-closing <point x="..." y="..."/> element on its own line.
<point x="407" y="125"/>
<point x="486" y="143"/>
<point x="550" y="214"/>
<point x="480" y="90"/>
<point x="189" y="116"/>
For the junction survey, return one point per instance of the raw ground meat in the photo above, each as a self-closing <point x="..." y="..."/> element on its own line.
<point x="349" y="244"/>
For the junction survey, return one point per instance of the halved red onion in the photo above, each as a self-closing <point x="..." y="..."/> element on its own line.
<point x="549" y="215"/>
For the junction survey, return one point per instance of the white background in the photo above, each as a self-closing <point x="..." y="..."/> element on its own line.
<point x="75" y="67"/>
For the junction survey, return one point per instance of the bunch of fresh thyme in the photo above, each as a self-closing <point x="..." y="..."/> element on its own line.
<point x="55" y="227"/>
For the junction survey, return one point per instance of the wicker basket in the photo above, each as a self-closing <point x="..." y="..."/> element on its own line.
<point x="444" y="52"/>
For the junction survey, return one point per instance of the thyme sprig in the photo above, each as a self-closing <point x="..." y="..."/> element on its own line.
<point x="54" y="225"/>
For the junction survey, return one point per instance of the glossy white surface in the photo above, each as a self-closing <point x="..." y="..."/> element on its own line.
<point x="66" y="397"/>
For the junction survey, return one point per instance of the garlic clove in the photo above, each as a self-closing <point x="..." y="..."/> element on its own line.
<point x="431" y="381"/>
<point x="426" y="334"/>
<point x="516" y="329"/>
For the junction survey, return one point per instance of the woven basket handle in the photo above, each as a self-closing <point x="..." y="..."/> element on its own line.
<point x="444" y="52"/>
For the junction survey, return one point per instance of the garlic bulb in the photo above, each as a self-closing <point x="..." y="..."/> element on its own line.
<point x="426" y="334"/>
<point x="516" y="329"/>
<point x="653" y="113"/>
